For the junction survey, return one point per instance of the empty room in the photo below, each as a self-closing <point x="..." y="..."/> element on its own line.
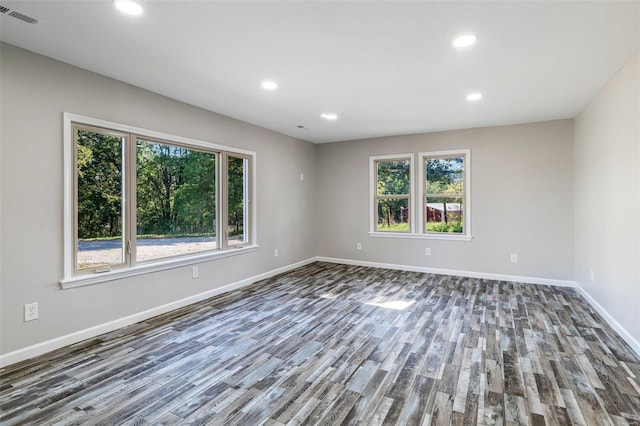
<point x="319" y="212"/>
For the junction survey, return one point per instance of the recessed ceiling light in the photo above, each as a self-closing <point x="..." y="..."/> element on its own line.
<point x="465" y="40"/>
<point x="474" y="97"/>
<point x="329" y="116"/>
<point x="129" y="7"/>
<point x="269" y="85"/>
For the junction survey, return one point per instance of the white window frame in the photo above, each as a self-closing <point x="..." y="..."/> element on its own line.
<point x="417" y="195"/>
<point x="373" y="192"/>
<point x="72" y="279"/>
<point x="466" y="202"/>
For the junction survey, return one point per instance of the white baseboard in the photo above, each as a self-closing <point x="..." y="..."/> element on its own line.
<point x="455" y="272"/>
<point x="626" y="336"/>
<point x="78" y="336"/>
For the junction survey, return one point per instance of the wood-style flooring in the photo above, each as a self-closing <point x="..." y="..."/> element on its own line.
<point x="335" y="344"/>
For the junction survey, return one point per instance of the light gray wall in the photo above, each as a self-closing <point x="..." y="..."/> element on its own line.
<point x="522" y="201"/>
<point x="35" y="92"/>
<point x="607" y="206"/>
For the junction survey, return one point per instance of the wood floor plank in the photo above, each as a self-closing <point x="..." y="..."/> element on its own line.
<point x="341" y="344"/>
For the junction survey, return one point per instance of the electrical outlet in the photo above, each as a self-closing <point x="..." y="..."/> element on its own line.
<point x="275" y="253"/>
<point x="195" y="273"/>
<point x="427" y="251"/>
<point x="593" y="276"/>
<point x="301" y="176"/>
<point x="31" y="311"/>
<point x="358" y="245"/>
<point x="514" y="258"/>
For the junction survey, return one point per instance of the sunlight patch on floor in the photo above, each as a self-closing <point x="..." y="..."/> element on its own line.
<point x="399" y="305"/>
<point x="328" y="296"/>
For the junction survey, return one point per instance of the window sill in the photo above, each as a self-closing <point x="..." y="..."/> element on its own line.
<point x="422" y="236"/>
<point x="146" y="268"/>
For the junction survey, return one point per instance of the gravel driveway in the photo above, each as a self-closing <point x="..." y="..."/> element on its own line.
<point x="96" y="253"/>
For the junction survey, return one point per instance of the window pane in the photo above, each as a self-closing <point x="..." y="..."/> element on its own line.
<point x="236" y="202"/>
<point x="175" y="200"/>
<point x="100" y="225"/>
<point x="393" y="177"/>
<point x="444" y="175"/>
<point x="393" y="215"/>
<point x="444" y="215"/>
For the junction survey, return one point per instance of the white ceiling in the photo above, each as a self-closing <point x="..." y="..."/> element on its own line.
<point x="386" y="68"/>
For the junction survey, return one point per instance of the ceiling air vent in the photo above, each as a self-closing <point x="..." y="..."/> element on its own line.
<point x="18" y="15"/>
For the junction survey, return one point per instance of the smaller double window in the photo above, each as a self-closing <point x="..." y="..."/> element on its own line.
<point x="443" y="194"/>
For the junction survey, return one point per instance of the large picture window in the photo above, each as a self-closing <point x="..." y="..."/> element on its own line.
<point x="136" y="198"/>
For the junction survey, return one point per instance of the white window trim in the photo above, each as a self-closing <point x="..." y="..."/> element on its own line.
<point x="467" y="193"/>
<point x="145" y="268"/>
<point x="373" y="188"/>
<point x="417" y="221"/>
<point x="70" y="280"/>
<point x="422" y="236"/>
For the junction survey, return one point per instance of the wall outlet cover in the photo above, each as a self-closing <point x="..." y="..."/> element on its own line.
<point x="31" y="311"/>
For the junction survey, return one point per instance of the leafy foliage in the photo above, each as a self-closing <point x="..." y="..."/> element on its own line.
<point x="175" y="189"/>
<point x="99" y="174"/>
<point x="235" y="188"/>
<point x="393" y="213"/>
<point x="396" y="227"/>
<point x="451" y="227"/>
<point x="393" y="177"/>
<point x="444" y="175"/>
